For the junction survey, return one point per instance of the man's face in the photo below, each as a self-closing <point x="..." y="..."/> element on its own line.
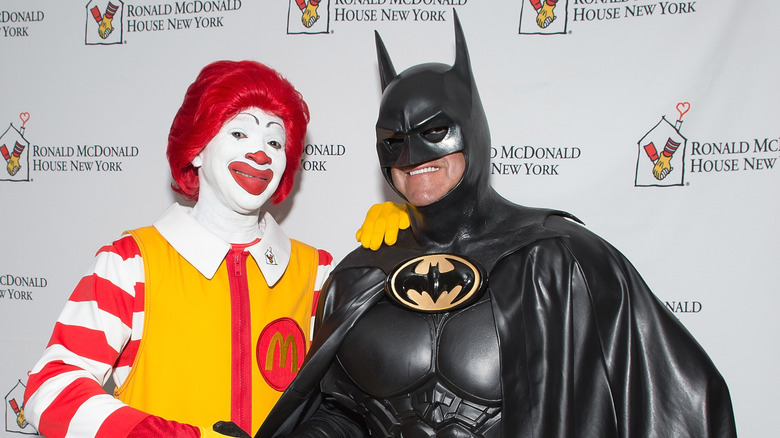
<point x="425" y="183"/>
<point x="243" y="164"/>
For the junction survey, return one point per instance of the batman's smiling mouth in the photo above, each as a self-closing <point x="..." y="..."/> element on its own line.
<point x="423" y="170"/>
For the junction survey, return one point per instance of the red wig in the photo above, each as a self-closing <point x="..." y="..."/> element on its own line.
<point x="221" y="91"/>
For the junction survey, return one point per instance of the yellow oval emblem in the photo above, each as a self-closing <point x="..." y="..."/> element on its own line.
<point x="435" y="282"/>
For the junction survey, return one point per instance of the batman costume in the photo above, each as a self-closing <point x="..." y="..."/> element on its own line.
<point x="489" y="319"/>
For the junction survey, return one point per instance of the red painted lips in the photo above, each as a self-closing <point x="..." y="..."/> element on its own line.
<point x="250" y="179"/>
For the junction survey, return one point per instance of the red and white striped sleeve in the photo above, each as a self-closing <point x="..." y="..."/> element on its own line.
<point x="324" y="268"/>
<point x="93" y="337"/>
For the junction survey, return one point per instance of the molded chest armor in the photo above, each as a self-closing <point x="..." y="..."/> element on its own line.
<point x="422" y="374"/>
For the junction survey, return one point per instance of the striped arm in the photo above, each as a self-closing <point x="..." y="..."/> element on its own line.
<point x="324" y="268"/>
<point x="93" y="335"/>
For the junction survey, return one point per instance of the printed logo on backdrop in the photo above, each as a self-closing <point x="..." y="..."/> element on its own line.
<point x="532" y="161"/>
<point x="661" y="156"/>
<point x="104" y="22"/>
<point x="14" y="411"/>
<point x="544" y="17"/>
<point x="665" y="157"/>
<point x="319" y="16"/>
<point x="16" y="24"/>
<point x="109" y="21"/>
<point x="683" y="307"/>
<point x="20" y="287"/>
<point x="23" y="160"/>
<point x="549" y="17"/>
<point x="15" y="151"/>
<point x="715" y="157"/>
<point x="317" y="157"/>
<point x="308" y="16"/>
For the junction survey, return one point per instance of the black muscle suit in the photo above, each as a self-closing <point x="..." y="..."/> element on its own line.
<point x="561" y="339"/>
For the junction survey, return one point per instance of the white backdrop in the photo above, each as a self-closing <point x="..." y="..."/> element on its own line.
<point x="571" y="108"/>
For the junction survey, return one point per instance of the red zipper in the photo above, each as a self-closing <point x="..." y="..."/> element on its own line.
<point x="241" y="333"/>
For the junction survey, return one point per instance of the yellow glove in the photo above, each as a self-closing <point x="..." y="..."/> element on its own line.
<point x="105" y="28"/>
<point x="662" y="167"/>
<point x="545" y="16"/>
<point x="310" y="15"/>
<point x="13" y="165"/>
<point x="382" y="223"/>
<point x="20" y="420"/>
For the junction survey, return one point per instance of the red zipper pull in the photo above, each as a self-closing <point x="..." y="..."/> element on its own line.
<point x="237" y="263"/>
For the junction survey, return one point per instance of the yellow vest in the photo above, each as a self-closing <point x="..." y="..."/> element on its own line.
<point x="183" y="368"/>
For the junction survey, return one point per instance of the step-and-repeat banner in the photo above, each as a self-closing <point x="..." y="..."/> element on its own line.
<point x="580" y="107"/>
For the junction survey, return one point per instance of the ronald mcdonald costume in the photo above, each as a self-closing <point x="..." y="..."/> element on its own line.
<point x="207" y="314"/>
<point x="139" y="315"/>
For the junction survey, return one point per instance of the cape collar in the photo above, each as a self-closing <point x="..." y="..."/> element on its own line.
<point x="526" y="227"/>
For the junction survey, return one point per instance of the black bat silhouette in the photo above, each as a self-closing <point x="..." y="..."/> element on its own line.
<point x="435" y="282"/>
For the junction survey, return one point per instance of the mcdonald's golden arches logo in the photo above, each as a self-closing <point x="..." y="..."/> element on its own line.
<point x="280" y="351"/>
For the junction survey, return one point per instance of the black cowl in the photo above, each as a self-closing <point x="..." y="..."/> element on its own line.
<point x="429" y="96"/>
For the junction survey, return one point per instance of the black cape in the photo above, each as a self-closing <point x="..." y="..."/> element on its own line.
<point x="586" y="349"/>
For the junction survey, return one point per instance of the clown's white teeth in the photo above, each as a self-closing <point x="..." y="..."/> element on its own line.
<point x="246" y="174"/>
<point x="423" y="170"/>
<point x="243" y="174"/>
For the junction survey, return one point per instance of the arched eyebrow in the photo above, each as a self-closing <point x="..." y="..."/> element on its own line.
<point x="267" y="125"/>
<point x="257" y="121"/>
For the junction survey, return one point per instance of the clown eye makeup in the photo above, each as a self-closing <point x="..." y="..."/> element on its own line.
<point x="238" y="135"/>
<point x="435" y="135"/>
<point x="275" y="135"/>
<point x="275" y="144"/>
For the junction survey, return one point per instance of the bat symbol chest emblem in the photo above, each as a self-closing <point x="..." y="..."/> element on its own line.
<point x="436" y="283"/>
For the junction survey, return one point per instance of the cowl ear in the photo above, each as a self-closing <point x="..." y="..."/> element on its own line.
<point x="462" y="60"/>
<point x="386" y="69"/>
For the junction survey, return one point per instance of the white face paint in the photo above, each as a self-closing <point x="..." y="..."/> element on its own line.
<point x="240" y="168"/>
